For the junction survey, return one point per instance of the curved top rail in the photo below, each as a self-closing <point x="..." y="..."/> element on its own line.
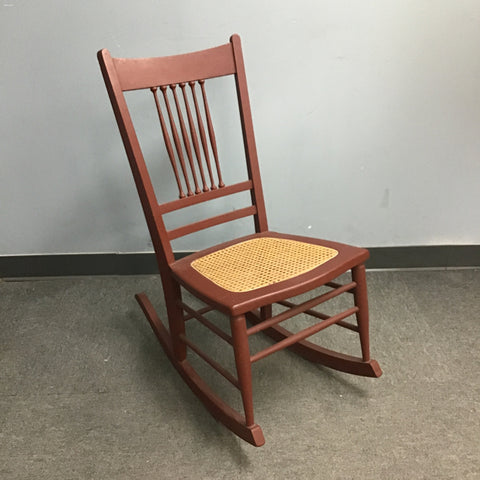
<point x="139" y="73"/>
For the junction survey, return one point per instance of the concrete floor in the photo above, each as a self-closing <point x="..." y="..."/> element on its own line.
<point x="87" y="393"/>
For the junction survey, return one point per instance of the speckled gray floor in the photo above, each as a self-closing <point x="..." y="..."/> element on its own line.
<point x="87" y="393"/>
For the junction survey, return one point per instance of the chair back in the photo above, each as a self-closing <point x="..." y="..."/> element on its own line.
<point x="177" y="85"/>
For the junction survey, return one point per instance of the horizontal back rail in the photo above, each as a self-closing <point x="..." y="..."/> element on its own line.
<point x="203" y="197"/>
<point x="139" y="73"/>
<point x="211" y="222"/>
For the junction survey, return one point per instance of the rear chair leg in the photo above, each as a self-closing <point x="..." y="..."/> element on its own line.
<point x="243" y="364"/>
<point x="266" y="312"/>
<point x="361" y="301"/>
<point x="176" y="323"/>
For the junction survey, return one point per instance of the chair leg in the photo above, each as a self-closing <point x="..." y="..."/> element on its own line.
<point x="312" y="352"/>
<point x="243" y="365"/>
<point x="215" y="405"/>
<point x="361" y="301"/>
<point x="266" y="312"/>
<point x="176" y="323"/>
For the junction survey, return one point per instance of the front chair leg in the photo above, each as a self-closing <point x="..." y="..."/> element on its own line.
<point x="361" y="301"/>
<point x="243" y="365"/>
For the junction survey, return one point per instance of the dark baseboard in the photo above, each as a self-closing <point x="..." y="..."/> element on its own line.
<point x="434" y="256"/>
<point x="444" y="256"/>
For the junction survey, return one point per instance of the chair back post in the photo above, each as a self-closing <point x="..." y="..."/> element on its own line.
<point x="143" y="182"/>
<point x="261" y="224"/>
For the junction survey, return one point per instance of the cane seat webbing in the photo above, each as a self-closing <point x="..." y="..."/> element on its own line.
<point x="260" y="262"/>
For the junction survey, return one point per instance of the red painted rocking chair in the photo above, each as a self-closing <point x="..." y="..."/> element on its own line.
<point x="240" y="278"/>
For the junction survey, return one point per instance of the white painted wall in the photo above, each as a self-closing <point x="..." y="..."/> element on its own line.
<point x="367" y="117"/>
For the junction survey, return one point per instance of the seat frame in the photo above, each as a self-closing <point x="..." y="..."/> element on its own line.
<point x="165" y="74"/>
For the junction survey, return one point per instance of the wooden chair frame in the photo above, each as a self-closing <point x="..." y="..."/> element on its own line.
<point x="167" y="76"/>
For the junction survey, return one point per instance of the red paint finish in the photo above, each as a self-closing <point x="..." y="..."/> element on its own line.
<point x="199" y="179"/>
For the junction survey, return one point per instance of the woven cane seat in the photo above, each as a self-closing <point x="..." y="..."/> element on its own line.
<point x="260" y="262"/>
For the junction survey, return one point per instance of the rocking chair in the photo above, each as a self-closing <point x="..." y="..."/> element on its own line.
<point x="242" y="278"/>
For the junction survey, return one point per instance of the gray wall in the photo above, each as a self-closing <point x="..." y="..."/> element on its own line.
<point x="367" y="117"/>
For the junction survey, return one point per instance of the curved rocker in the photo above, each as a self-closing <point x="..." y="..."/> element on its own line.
<point x="317" y="354"/>
<point x="229" y="417"/>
